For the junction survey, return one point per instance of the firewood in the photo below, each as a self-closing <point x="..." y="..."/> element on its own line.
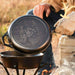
<point x="66" y="25"/>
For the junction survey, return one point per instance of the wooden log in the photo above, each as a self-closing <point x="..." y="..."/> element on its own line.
<point x="66" y="41"/>
<point x="67" y="49"/>
<point x="56" y="51"/>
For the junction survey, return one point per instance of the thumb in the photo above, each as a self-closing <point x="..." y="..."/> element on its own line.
<point x="47" y="12"/>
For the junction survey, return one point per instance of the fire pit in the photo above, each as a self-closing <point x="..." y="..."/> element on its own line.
<point x="16" y="60"/>
<point x="29" y="36"/>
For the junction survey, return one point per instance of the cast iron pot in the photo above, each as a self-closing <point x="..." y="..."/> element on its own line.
<point x="14" y="59"/>
<point x="28" y="34"/>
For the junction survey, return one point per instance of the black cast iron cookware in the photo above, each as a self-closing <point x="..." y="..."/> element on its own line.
<point x="28" y="34"/>
<point x="14" y="59"/>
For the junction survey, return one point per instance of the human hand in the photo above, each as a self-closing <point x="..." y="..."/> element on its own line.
<point x="40" y="9"/>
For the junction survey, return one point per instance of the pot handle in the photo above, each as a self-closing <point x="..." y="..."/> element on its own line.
<point x="5" y="35"/>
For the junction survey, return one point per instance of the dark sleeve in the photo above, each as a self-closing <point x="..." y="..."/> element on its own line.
<point x="30" y="12"/>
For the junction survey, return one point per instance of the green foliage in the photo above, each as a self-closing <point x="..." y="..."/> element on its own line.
<point x="3" y="29"/>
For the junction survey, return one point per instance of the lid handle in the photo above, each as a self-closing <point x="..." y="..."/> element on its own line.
<point x="3" y="39"/>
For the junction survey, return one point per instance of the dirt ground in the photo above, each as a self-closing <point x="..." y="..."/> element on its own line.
<point x="56" y="53"/>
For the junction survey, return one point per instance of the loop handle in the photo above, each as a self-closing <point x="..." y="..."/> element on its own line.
<point x="3" y="39"/>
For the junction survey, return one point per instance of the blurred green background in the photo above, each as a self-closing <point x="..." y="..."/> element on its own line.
<point x="11" y="9"/>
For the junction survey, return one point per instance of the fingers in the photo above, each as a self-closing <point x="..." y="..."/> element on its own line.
<point x="39" y="10"/>
<point x="47" y="12"/>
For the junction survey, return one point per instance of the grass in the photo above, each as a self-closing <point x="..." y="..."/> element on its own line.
<point x="11" y="9"/>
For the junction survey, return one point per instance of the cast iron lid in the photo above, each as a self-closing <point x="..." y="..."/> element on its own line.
<point x="29" y="33"/>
